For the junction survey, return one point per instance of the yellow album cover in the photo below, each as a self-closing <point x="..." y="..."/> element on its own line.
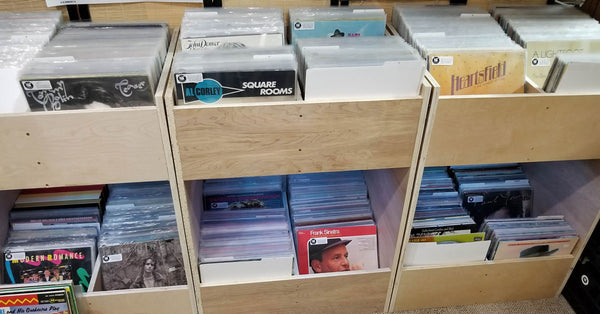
<point x="540" y="55"/>
<point x="478" y="71"/>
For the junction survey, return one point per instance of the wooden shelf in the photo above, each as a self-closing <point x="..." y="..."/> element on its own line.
<point x="554" y="136"/>
<point x="256" y="139"/>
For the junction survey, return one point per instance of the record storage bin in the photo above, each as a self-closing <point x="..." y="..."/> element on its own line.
<point x="556" y="138"/>
<point x="278" y="138"/>
<point x="99" y="146"/>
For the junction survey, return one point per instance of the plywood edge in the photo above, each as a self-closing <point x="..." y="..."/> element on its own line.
<point x="416" y="174"/>
<point x="182" y="190"/>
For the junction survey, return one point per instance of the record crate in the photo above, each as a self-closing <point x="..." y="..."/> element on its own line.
<point x="95" y="146"/>
<point x="555" y="138"/>
<point x="278" y="138"/>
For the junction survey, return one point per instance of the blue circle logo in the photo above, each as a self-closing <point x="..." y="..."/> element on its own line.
<point x="208" y="91"/>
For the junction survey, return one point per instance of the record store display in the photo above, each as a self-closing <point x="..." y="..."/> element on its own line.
<point x="574" y="73"/>
<point x="139" y="243"/>
<point x="245" y="220"/>
<point x="466" y="51"/>
<point x="96" y="65"/>
<point x="382" y="67"/>
<point x="333" y="222"/>
<point x="308" y="22"/>
<point x="529" y="237"/>
<point x="210" y="28"/>
<point x="53" y="235"/>
<point x="494" y="191"/>
<point x="546" y="31"/>
<point x="22" y="36"/>
<point x="235" y="75"/>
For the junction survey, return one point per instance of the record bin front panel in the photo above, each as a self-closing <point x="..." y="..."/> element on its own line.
<point x="81" y="148"/>
<point x="256" y="140"/>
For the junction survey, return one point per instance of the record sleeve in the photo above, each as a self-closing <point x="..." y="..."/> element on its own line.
<point x="56" y="261"/>
<point x="124" y="266"/>
<point x="323" y="250"/>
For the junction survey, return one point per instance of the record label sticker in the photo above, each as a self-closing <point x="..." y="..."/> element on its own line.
<point x="316" y="241"/>
<point x="112" y="258"/>
<point x="469" y="15"/>
<point x="474" y="198"/>
<point x="541" y="62"/>
<point x="306" y="25"/>
<point x="442" y="60"/>
<point x="37" y="85"/>
<point x="14" y="256"/>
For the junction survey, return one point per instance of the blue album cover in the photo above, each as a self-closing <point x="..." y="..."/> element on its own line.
<point x="337" y="28"/>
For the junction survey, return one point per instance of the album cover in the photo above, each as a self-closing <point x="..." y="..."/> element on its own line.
<point x="534" y="248"/>
<point x="337" y="28"/>
<point x="540" y="55"/>
<point x="212" y="87"/>
<point x="50" y="302"/>
<point x="65" y="93"/>
<point x="157" y="263"/>
<point x="232" y="41"/>
<point x="498" y="203"/>
<point x="322" y="250"/>
<point x="464" y="72"/>
<point x="23" y="264"/>
<point x="242" y="201"/>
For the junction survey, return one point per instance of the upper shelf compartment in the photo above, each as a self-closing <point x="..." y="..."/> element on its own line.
<point x="529" y="127"/>
<point x="257" y="139"/>
<point x="80" y="147"/>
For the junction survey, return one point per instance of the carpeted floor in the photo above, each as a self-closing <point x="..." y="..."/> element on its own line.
<point x="544" y="306"/>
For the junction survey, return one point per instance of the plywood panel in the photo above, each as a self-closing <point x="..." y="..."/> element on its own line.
<point x="347" y="293"/>
<point x="137" y="301"/>
<point x="388" y="191"/>
<point x="429" y="287"/>
<point x="296" y="137"/>
<point x="81" y="147"/>
<point x="514" y="128"/>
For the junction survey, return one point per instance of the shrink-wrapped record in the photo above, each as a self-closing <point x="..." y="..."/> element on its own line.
<point x="236" y="75"/>
<point x="211" y="28"/>
<point x="96" y="65"/>
<point x="308" y="22"/>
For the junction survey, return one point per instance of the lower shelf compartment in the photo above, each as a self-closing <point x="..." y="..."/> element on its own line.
<point x="359" y="292"/>
<point x="427" y="287"/>
<point x="175" y="299"/>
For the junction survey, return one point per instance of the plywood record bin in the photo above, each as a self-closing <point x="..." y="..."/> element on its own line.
<point x="90" y="147"/>
<point x="554" y="136"/>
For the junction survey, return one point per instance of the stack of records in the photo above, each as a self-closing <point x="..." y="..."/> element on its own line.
<point x="245" y="220"/>
<point x="574" y="73"/>
<point x="466" y="50"/>
<point x="546" y="31"/>
<point x="53" y="235"/>
<point x="209" y="28"/>
<point x="529" y="237"/>
<point x="494" y="191"/>
<point x="139" y="242"/>
<point x="336" y="22"/>
<point x="439" y="207"/>
<point x="333" y="222"/>
<point x="235" y="75"/>
<point x="47" y="298"/>
<point x="94" y="65"/>
<point x="22" y="35"/>
<point x="358" y="68"/>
